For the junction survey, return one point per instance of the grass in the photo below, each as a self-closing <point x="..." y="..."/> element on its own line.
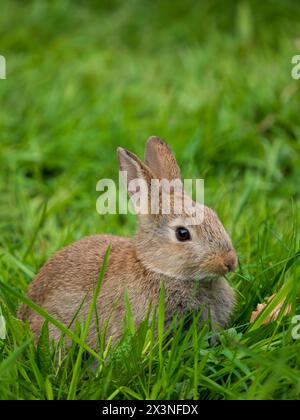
<point x="214" y="79"/>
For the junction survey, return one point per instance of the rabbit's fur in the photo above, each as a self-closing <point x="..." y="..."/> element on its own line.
<point x="191" y="271"/>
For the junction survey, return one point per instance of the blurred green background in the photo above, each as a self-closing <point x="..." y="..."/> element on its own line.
<point x="213" y="78"/>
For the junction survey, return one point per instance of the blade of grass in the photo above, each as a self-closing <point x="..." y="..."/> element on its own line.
<point x="75" y="375"/>
<point x="36" y="230"/>
<point x="11" y="359"/>
<point x="161" y="324"/>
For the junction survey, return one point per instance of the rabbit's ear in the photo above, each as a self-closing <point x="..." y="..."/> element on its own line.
<point x="134" y="167"/>
<point x="160" y="158"/>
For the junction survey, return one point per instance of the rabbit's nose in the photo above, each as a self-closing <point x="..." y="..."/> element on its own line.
<point x="230" y="260"/>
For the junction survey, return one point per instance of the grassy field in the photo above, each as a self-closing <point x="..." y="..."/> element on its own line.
<point x="214" y="79"/>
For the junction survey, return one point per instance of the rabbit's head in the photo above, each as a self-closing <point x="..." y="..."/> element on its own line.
<point x="176" y="236"/>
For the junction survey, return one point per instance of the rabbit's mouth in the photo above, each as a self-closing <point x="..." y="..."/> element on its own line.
<point x="218" y="264"/>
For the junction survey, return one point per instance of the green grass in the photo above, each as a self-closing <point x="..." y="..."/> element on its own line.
<point x="211" y="77"/>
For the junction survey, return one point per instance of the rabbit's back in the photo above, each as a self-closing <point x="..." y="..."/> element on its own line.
<point x="71" y="274"/>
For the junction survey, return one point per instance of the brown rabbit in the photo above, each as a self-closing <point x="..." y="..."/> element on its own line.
<point x="189" y="260"/>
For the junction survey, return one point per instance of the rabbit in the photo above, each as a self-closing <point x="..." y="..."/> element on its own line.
<point x="190" y="261"/>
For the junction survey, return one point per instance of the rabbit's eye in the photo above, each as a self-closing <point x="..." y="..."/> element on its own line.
<point x="182" y="234"/>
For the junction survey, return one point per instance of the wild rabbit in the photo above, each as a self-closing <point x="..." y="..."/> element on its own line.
<point x="190" y="260"/>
